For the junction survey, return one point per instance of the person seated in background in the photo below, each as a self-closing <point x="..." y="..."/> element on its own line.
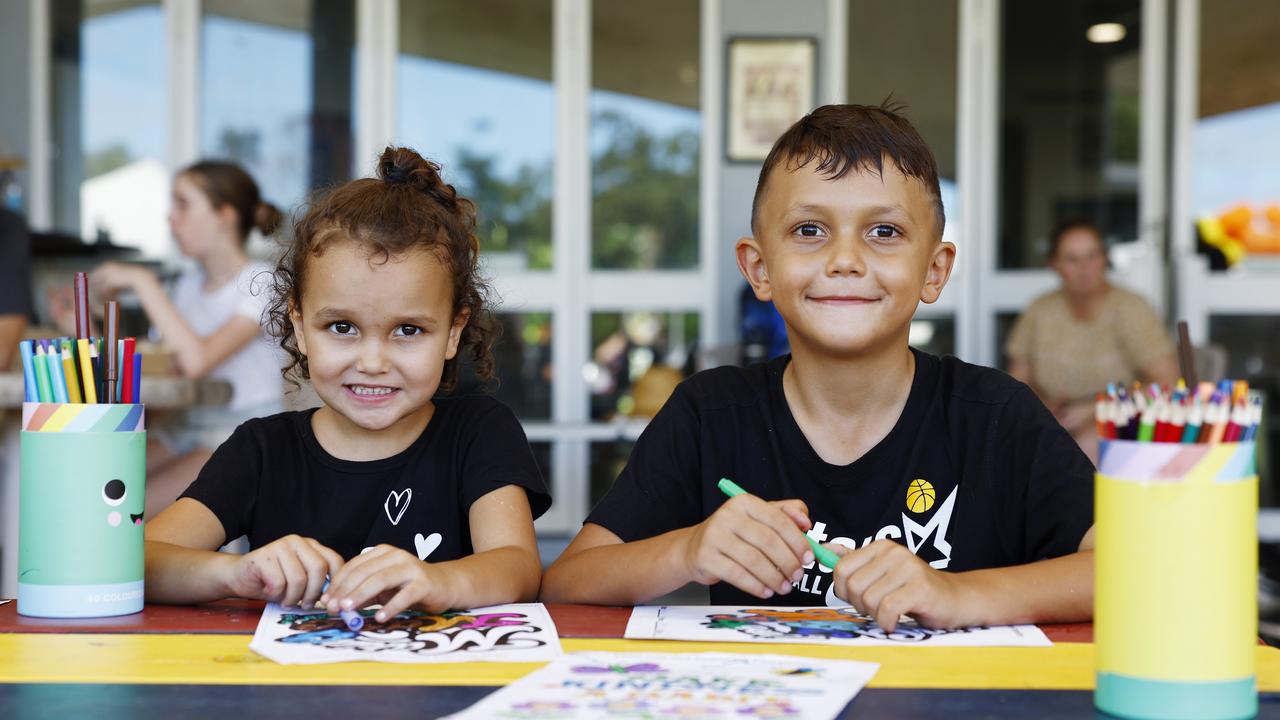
<point x="15" y="283"/>
<point x="212" y="322"/>
<point x="1071" y="342"/>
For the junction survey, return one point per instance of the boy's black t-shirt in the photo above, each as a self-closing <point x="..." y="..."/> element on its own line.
<point x="976" y="473"/>
<point x="272" y="478"/>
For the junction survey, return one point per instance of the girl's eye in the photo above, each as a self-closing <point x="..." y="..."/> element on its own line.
<point x="408" y="330"/>
<point x="342" y="328"/>
<point x="885" y="231"/>
<point x="809" y="230"/>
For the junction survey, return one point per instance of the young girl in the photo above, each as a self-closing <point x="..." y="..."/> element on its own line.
<point x="398" y="498"/>
<point x="212" y="322"/>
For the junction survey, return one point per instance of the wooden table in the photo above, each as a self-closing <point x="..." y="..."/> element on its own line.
<point x="194" y="662"/>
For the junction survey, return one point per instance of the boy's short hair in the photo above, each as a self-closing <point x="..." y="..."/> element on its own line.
<point x="846" y="138"/>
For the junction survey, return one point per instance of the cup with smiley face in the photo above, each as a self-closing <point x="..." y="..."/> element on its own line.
<point x="80" y="516"/>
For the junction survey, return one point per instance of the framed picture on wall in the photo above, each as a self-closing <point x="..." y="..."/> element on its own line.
<point x="772" y="83"/>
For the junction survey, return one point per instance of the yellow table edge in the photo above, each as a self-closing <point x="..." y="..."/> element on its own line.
<point x="227" y="660"/>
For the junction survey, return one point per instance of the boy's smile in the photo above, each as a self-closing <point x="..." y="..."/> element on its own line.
<point x="376" y="335"/>
<point x="845" y="260"/>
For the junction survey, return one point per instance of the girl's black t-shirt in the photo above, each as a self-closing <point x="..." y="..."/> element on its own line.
<point x="976" y="473"/>
<point x="272" y="478"/>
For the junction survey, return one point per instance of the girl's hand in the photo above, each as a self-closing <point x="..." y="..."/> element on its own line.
<point x="393" y="577"/>
<point x="290" y="571"/>
<point x="754" y="545"/>
<point x="886" y="581"/>
<point x="109" y="278"/>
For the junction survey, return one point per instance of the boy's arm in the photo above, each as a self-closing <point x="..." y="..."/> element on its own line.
<point x="1048" y="591"/>
<point x="598" y="568"/>
<point x="754" y="545"/>
<point x="885" y="580"/>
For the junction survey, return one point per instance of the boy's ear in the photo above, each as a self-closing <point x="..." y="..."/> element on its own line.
<point x="751" y="265"/>
<point x="939" y="270"/>
<point x="295" y="317"/>
<point x="455" y="333"/>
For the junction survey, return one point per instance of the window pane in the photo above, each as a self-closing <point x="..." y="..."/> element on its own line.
<point x="1235" y="143"/>
<point x="645" y="125"/>
<point x="476" y="96"/>
<point x="637" y="359"/>
<point x="1069" y="124"/>
<point x="277" y="88"/>
<point x="522" y="360"/>
<point x="109" y="110"/>
<point x="607" y="461"/>
<point x="1253" y="354"/>
<point x="934" y="335"/>
<point x="924" y="80"/>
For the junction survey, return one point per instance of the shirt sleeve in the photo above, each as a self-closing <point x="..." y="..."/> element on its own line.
<point x="255" y="287"/>
<point x="1048" y="479"/>
<point x="228" y="482"/>
<point x="15" y="265"/>
<point x="497" y="454"/>
<point x="658" y="490"/>
<point x="1143" y="335"/>
<point x="1018" y="345"/>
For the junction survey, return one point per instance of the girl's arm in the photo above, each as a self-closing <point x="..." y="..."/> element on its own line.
<point x="504" y="568"/>
<point x="182" y="562"/>
<point x="184" y="566"/>
<point x="195" y="355"/>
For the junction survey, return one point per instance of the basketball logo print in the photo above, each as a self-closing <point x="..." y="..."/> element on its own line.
<point x="920" y="495"/>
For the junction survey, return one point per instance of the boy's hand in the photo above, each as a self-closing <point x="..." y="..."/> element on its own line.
<point x="290" y="571"/>
<point x="754" y="545"/>
<point x="393" y="577"/>
<point x="886" y="581"/>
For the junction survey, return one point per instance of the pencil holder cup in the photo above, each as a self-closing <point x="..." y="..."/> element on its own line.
<point x="80" y="507"/>
<point x="1175" y="602"/>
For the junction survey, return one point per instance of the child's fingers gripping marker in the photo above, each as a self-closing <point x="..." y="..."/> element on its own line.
<point x="825" y="556"/>
<point x="352" y="618"/>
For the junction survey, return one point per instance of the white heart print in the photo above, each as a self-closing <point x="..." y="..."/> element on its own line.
<point x="426" y="545"/>
<point x="396" y="504"/>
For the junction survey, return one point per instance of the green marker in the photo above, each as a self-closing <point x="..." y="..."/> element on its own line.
<point x="825" y="556"/>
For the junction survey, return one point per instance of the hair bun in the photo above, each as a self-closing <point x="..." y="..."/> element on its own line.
<point x="267" y="218"/>
<point x="403" y="166"/>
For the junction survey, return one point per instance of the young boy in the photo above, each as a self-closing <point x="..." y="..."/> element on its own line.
<point x="948" y="489"/>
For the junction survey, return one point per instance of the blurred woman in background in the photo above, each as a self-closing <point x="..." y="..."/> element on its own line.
<point x="212" y="321"/>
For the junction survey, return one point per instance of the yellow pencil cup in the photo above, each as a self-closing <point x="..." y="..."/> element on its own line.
<point x="1175" y="602"/>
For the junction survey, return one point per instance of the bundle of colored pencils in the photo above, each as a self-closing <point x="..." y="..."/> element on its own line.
<point x="1211" y="414"/>
<point x="84" y="369"/>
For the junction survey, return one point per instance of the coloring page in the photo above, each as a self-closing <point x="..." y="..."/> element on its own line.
<point x="815" y="626"/>
<point x="653" y="686"/>
<point x="500" y="633"/>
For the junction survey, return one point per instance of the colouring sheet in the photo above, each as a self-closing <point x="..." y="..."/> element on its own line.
<point x="813" y="625"/>
<point x="653" y="686"/>
<point x="500" y="633"/>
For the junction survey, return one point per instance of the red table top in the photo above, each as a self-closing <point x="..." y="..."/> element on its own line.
<point x="235" y="617"/>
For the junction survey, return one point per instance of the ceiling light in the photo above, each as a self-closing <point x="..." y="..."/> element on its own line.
<point x="1105" y="33"/>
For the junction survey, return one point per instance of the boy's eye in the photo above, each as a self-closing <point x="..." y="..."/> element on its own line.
<point x="408" y="330"/>
<point x="342" y="328"/>
<point x="885" y="231"/>
<point x="809" y="230"/>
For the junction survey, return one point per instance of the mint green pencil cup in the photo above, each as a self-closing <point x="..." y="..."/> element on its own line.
<point x="80" y="510"/>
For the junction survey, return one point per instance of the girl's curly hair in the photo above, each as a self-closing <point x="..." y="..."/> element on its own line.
<point x="407" y="207"/>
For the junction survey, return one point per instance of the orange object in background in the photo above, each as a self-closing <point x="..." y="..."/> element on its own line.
<point x="1256" y="234"/>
